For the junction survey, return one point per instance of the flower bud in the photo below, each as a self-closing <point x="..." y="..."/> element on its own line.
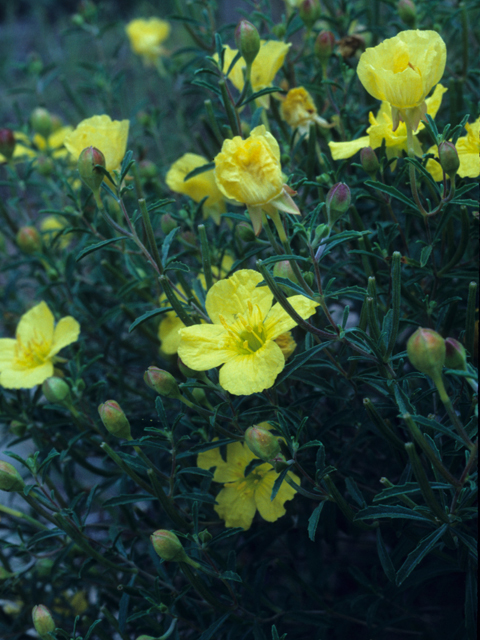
<point x="147" y="170"/>
<point x="283" y="269"/>
<point x="41" y="122"/>
<point x="308" y="277"/>
<point x="167" y="223"/>
<point x="169" y="547"/>
<point x="324" y="45"/>
<point x="4" y="574"/>
<point x="114" y="419"/>
<point x="162" y="382"/>
<point x="56" y="390"/>
<point x="10" y="479"/>
<point x="42" y="620"/>
<point x="279" y="30"/>
<point x="29" y="240"/>
<point x="309" y="12"/>
<point x="407" y="12"/>
<point x="45" y="166"/>
<point x="17" y="428"/>
<point x="245" y="232"/>
<point x="455" y="355"/>
<point x="426" y="351"/>
<point x="7" y="143"/>
<point x="247" y="40"/>
<point x="339" y="198"/>
<point x="87" y="169"/>
<point x="369" y="161"/>
<point x="205" y="536"/>
<point x="321" y="232"/>
<point x="262" y="443"/>
<point x="449" y="160"/>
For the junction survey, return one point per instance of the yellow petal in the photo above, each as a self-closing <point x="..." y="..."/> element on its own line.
<point x="269" y="60"/>
<point x="66" y="332"/>
<point x="197" y="187"/>
<point x="168" y="333"/>
<point x="110" y="136"/>
<point x="146" y="36"/>
<point x="435" y="100"/>
<point x="237" y="508"/>
<point x="25" y="378"/>
<point x="278" y="321"/>
<point x="252" y="373"/>
<point x="272" y="510"/>
<point x="230" y="297"/>
<point x="201" y="347"/>
<point x="7" y="352"/>
<point x="342" y="150"/>
<point x="36" y="323"/>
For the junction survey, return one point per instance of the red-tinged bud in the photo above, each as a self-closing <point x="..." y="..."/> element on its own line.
<point x="87" y="167"/>
<point x="262" y="443"/>
<point x="369" y="161"/>
<point x="42" y="621"/>
<point x="167" y="223"/>
<point x="10" y="479"/>
<point x="114" y="419"/>
<point x="168" y="547"/>
<point x="41" y="122"/>
<point x="7" y="143"/>
<point x="147" y="170"/>
<point x="455" y="355"/>
<point x="162" y="382"/>
<point x="56" y="390"/>
<point x="407" y="12"/>
<point x="247" y="40"/>
<point x="283" y="269"/>
<point x="338" y="200"/>
<point x="45" y="165"/>
<point x="189" y="239"/>
<point x="29" y="240"/>
<point x="449" y="160"/>
<point x="245" y="232"/>
<point x="426" y="351"/>
<point x="324" y="45"/>
<point x="310" y="12"/>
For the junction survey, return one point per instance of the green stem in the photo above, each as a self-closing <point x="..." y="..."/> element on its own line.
<point x="447" y="403"/>
<point x="470" y="321"/>
<point x="166" y="502"/>
<point x="462" y="245"/>
<point x="175" y="302"/>
<point x="150" y="234"/>
<point x="201" y="588"/>
<point x="23" y="516"/>
<point x="206" y="260"/>
<point x="424" y="484"/>
<point x="381" y="425"/>
<point x="126" y="468"/>
<point x="396" y="296"/>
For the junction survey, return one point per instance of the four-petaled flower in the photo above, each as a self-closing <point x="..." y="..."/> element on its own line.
<point x="242" y="336"/>
<point x="146" y="37"/>
<point x="101" y="132"/>
<point x="242" y="495"/>
<point x="28" y="360"/>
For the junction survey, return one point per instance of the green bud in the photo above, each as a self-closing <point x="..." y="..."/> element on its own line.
<point x="324" y="44"/>
<point x="449" y="159"/>
<point x="407" y="12"/>
<point x="29" y="240"/>
<point x="283" y="269"/>
<point x="147" y="170"/>
<point x="7" y="143"/>
<point x="90" y="175"/>
<point x="279" y="30"/>
<point x="162" y="382"/>
<point x="247" y="40"/>
<point x="114" y="419"/>
<point x="56" y="390"/>
<point x="245" y="232"/>
<point x="308" y="277"/>
<point x="310" y="12"/>
<point x="41" y="122"/>
<point x="10" y="479"/>
<point x="205" y="536"/>
<point x="338" y="198"/>
<point x="45" y="166"/>
<point x="42" y="621"/>
<point x="262" y="443"/>
<point x="17" y="428"/>
<point x="168" y="547"/>
<point x="455" y="355"/>
<point x="426" y="351"/>
<point x="167" y="223"/>
<point x="369" y="161"/>
<point x="321" y="232"/>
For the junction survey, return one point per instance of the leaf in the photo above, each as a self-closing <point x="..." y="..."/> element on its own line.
<point x="313" y="521"/>
<point x="407" y="488"/>
<point x="259" y="94"/>
<point x="425" y="255"/>
<point x="417" y="555"/>
<point x="278" y="483"/>
<point x="196" y="471"/>
<point x="196" y="172"/>
<point x="212" y="629"/>
<point x="177" y="266"/>
<point x="391" y="191"/>
<point x="231" y="575"/>
<point x="299" y="361"/>
<point x="94" y="247"/>
<point x="167" y="242"/>
<point x="205" y="447"/>
<point x="390" y="512"/>
<point x="355" y="492"/>
<point x="385" y="561"/>
<point x="127" y="499"/>
<point x="147" y="316"/>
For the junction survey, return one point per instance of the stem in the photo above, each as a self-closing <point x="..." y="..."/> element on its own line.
<point x="126" y="468"/>
<point x="150" y="235"/>
<point x="396" y="296"/>
<point x="424" y="484"/>
<point x="470" y="321"/>
<point x="206" y="261"/>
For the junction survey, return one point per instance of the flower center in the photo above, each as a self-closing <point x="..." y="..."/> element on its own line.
<point x="251" y="483"/>
<point x="32" y="354"/>
<point x="246" y="334"/>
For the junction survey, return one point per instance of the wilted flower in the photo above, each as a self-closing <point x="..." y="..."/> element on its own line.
<point x="200" y="186"/>
<point x="468" y="149"/>
<point x="242" y="495"/>
<point x="28" y="360"/>
<point x="242" y="336"/>
<point x="402" y="71"/>
<point x="146" y="37"/>
<point x="101" y="132"/>
<point x="298" y="110"/>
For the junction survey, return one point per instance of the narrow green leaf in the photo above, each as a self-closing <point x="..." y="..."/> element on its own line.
<point x="390" y="512"/>
<point x="425" y="255"/>
<point x="94" y="247"/>
<point x="313" y="521"/>
<point x="261" y="93"/>
<point x="127" y="499"/>
<point x="212" y="629"/>
<point x="391" y="191"/>
<point x="196" y="172"/>
<point x="278" y="483"/>
<point x="385" y="561"/>
<point x="147" y="316"/>
<point x="416" y="556"/>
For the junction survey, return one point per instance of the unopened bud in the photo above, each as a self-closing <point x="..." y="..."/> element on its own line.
<point x="189" y="239"/>
<point x="449" y="159"/>
<point x="7" y="143"/>
<point x="426" y="351"/>
<point x="262" y="443"/>
<point x="42" y="621"/>
<point x="321" y="232"/>
<point x="167" y="223"/>
<point x="168" y="547"/>
<point x="369" y="161"/>
<point x="89" y="173"/>
<point x="162" y="382"/>
<point x="17" y="428"/>
<point x="205" y="536"/>
<point x="29" y="240"/>
<point x="338" y="200"/>
<point x="147" y="169"/>
<point x="455" y="355"/>
<point x="247" y="40"/>
<point x="308" y="277"/>
<point x="324" y="45"/>
<point x="283" y="269"/>
<point x="56" y="390"/>
<point x="45" y="166"/>
<point x="245" y="232"/>
<point x="279" y="30"/>
<point x="407" y="12"/>
<point x="309" y="12"/>
<point x="10" y="479"/>
<point x="114" y="419"/>
<point x="41" y="122"/>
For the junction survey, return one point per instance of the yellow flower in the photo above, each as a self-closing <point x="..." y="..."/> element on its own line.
<point x="242" y="336"/>
<point x="146" y="37"/>
<point x="468" y="149"/>
<point x="110" y="136"/>
<point x="402" y="71"/>
<point x="197" y="187"/>
<point x="50" y="227"/>
<point x="269" y="60"/>
<point x="298" y="110"/>
<point x="286" y="343"/>
<point x="28" y="360"/>
<point x="242" y="495"/>
<point x="249" y="172"/>
<point x="30" y="148"/>
<point x="381" y="128"/>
